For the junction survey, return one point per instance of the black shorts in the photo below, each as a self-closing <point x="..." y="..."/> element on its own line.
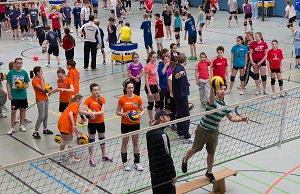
<point x="63" y="133"/>
<point x="275" y="70"/>
<point x="14" y="25"/>
<point x="95" y="5"/>
<point x="167" y="23"/>
<point x="248" y="15"/>
<point x="297" y="57"/>
<point x="62" y="106"/>
<point x="237" y="68"/>
<point x="53" y="50"/>
<point x="201" y="25"/>
<point x="93" y="127"/>
<point x="112" y="11"/>
<point x="24" y="28"/>
<point x="153" y="88"/>
<point x="262" y="64"/>
<point x="129" y="128"/>
<point x="77" y="23"/>
<point x="148" y="11"/>
<point x="192" y="39"/>
<point x="2" y="16"/>
<point x="207" y="9"/>
<point x="32" y="25"/>
<point x="292" y="20"/>
<point x="177" y="29"/>
<point x="148" y="46"/>
<point x="232" y="12"/>
<point x="19" y="103"/>
<point x="68" y="21"/>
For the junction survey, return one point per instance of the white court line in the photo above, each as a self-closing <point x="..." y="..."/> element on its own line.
<point x="59" y="170"/>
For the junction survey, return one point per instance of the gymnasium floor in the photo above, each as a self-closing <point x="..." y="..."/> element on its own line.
<point x="258" y="172"/>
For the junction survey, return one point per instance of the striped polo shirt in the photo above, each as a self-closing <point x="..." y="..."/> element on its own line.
<point x="211" y="121"/>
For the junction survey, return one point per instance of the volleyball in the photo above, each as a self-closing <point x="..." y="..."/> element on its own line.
<point x="83" y="139"/>
<point x="133" y="116"/>
<point x="19" y="83"/>
<point x="58" y="139"/>
<point x="48" y="88"/>
<point x="191" y="106"/>
<point x="3" y="76"/>
<point x="88" y="116"/>
<point x="216" y="82"/>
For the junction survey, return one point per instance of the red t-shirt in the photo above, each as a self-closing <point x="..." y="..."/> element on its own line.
<point x="202" y="68"/>
<point x="160" y="29"/>
<point x="66" y="45"/>
<point x="258" y="50"/>
<point x="43" y="11"/>
<point x="275" y="57"/>
<point x="2" y="9"/>
<point x="149" y="5"/>
<point x="219" y="67"/>
<point x="55" y="20"/>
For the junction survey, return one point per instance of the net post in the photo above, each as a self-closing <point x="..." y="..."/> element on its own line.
<point x="282" y="122"/>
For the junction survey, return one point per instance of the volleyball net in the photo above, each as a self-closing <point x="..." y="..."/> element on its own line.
<point x="273" y="121"/>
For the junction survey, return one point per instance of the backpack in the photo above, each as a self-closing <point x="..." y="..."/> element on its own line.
<point x="247" y="8"/>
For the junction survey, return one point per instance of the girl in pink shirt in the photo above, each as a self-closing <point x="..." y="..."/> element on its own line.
<point x="151" y="85"/>
<point x="202" y="78"/>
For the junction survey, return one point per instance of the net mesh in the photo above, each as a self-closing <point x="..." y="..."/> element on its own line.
<point x="272" y="122"/>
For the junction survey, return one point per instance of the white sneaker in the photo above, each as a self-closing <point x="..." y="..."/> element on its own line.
<point x="189" y="141"/>
<point x="26" y="120"/>
<point x="74" y="159"/>
<point x="17" y="121"/>
<point x="48" y="65"/>
<point x="180" y="138"/>
<point x="228" y="91"/>
<point x="22" y="128"/>
<point x="274" y="97"/>
<point x="62" y="158"/>
<point x="126" y="166"/>
<point x="10" y="131"/>
<point x="58" y="66"/>
<point x="241" y="92"/>
<point x="138" y="166"/>
<point x="212" y="18"/>
<point x="255" y="18"/>
<point x="236" y="26"/>
<point x="30" y="39"/>
<point x="2" y="115"/>
<point x="266" y="92"/>
<point x="22" y="39"/>
<point x="71" y="31"/>
<point x="257" y="92"/>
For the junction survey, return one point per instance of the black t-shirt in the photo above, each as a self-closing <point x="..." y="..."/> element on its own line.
<point x="39" y="31"/>
<point x="112" y="37"/>
<point x="167" y="17"/>
<point x="180" y="86"/>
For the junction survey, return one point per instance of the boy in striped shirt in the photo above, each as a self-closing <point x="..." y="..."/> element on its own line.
<point x="207" y="131"/>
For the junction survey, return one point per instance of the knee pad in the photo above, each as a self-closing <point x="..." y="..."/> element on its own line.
<point x="91" y="140"/>
<point x="95" y="11"/>
<point x="102" y="51"/>
<point x="264" y="78"/>
<point x="256" y="76"/>
<point x="214" y="11"/>
<point x="273" y="81"/>
<point x="147" y="47"/>
<point x="102" y="138"/>
<point x="289" y="25"/>
<point x="200" y="33"/>
<point x="235" y="17"/>
<point x="150" y="105"/>
<point x="230" y="17"/>
<point x="242" y="78"/>
<point x="232" y="78"/>
<point x="150" y="15"/>
<point x="280" y="82"/>
<point x="121" y="22"/>
<point x="209" y="17"/>
<point x="157" y="104"/>
<point x="206" y="18"/>
<point x="245" y="23"/>
<point x="177" y="36"/>
<point x="250" y="22"/>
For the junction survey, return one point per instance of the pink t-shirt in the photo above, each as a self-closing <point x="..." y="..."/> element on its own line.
<point x="152" y="73"/>
<point x="202" y="68"/>
<point x="258" y="50"/>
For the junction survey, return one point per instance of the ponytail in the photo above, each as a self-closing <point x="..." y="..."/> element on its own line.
<point x="75" y="98"/>
<point x="34" y="72"/>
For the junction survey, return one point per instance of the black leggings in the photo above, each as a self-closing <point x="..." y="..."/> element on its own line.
<point x="128" y="3"/>
<point x="137" y="87"/>
<point x="69" y="54"/>
<point x="163" y="98"/>
<point x="248" y="73"/>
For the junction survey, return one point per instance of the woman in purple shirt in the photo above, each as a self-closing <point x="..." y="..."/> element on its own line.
<point x="135" y="72"/>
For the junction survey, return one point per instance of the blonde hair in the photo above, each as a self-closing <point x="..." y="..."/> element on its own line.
<point x="75" y="98"/>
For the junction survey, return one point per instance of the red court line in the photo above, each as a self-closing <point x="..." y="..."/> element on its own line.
<point x="281" y="178"/>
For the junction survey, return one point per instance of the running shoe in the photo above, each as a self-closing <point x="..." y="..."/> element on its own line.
<point x="266" y="92"/>
<point x="183" y="166"/>
<point x="211" y="177"/>
<point x="228" y="91"/>
<point x="47" y="131"/>
<point x="241" y="92"/>
<point x="92" y="162"/>
<point x="106" y="158"/>
<point x="191" y="58"/>
<point x="3" y="115"/>
<point x="27" y="120"/>
<point x="22" y="128"/>
<point x="10" y="131"/>
<point x="195" y="58"/>
<point x="62" y="158"/>
<point x="74" y="159"/>
<point x="188" y="141"/>
<point x="257" y="92"/>
<point x="126" y="166"/>
<point x="48" y="65"/>
<point x="138" y="166"/>
<point x="36" y="135"/>
<point x="180" y="138"/>
<point x="199" y="42"/>
<point x="281" y="95"/>
<point x="104" y="62"/>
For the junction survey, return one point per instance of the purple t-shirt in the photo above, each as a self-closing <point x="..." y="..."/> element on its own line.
<point x="135" y="69"/>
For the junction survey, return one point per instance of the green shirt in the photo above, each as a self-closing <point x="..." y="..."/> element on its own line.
<point x="11" y="77"/>
<point x="211" y="121"/>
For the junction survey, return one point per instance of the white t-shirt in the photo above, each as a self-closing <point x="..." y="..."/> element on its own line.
<point x="85" y="12"/>
<point x="291" y="11"/>
<point x="232" y="5"/>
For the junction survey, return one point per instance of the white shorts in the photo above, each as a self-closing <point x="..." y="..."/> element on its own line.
<point x="159" y="40"/>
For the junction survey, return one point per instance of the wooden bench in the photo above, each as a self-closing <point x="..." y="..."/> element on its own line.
<point x="218" y="188"/>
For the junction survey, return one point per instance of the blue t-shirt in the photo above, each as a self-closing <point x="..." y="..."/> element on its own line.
<point x="118" y="11"/>
<point x="180" y="87"/>
<point x="296" y="40"/>
<point x="13" y="15"/>
<point x="239" y="55"/>
<point x="190" y="26"/>
<point x="102" y="38"/>
<point x="14" y="75"/>
<point x="177" y="22"/>
<point x="67" y="11"/>
<point x="51" y="36"/>
<point x="33" y="15"/>
<point x="95" y="2"/>
<point x="163" y="78"/>
<point x="23" y="19"/>
<point x="76" y="12"/>
<point x="146" y="26"/>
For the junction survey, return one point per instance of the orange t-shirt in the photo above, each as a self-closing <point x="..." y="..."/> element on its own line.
<point x="39" y="95"/>
<point x="64" y="97"/>
<point x="93" y="104"/>
<point x="74" y="75"/>
<point x="130" y="104"/>
<point x="64" y="124"/>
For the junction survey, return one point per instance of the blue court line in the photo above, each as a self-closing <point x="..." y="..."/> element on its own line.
<point x="55" y="179"/>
